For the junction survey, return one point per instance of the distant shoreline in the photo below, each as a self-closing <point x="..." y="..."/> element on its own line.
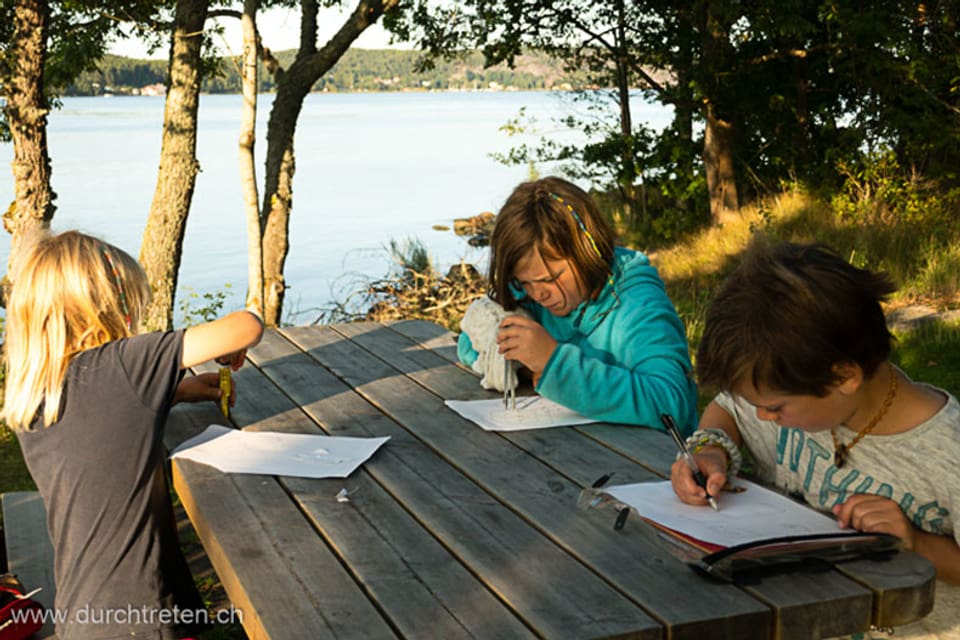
<point x="357" y="91"/>
<point x="358" y="71"/>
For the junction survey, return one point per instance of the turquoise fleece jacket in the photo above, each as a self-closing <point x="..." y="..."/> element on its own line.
<point x="620" y="358"/>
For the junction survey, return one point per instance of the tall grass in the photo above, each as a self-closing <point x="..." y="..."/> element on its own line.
<point x="922" y="256"/>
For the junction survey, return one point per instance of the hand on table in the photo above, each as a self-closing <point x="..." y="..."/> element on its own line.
<point x="875" y="514"/>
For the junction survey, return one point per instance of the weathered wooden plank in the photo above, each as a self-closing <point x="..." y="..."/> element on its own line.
<point x="430" y="336"/>
<point x="554" y="594"/>
<point x="28" y="548"/>
<point x="894" y="583"/>
<point x="411" y="577"/>
<point x="277" y="572"/>
<point x="541" y="495"/>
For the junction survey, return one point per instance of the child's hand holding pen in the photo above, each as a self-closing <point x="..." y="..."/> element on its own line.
<point x="693" y="472"/>
<point x="712" y="462"/>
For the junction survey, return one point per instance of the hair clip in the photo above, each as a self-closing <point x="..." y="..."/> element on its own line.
<point x="593" y="244"/>
<point x="582" y="226"/>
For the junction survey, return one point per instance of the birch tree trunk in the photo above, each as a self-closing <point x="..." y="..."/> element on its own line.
<point x="293" y="85"/>
<point x="162" y="245"/>
<point x="26" y="111"/>
<point x="248" y="172"/>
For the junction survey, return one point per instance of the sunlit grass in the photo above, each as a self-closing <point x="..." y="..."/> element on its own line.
<point x="925" y="262"/>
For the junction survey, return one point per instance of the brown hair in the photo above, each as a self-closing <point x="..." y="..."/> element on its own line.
<point x="536" y="216"/>
<point x="787" y="315"/>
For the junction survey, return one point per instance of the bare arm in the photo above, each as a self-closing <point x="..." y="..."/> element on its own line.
<point x="716" y="417"/>
<point x="234" y="332"/>
<point x="942" y="551"/>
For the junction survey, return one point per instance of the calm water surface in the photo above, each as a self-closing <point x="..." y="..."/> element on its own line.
<point x="370" y="168"/>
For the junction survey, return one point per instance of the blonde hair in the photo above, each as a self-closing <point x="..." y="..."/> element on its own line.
<point x="71" y="292"/>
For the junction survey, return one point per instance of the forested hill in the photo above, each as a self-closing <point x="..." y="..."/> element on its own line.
<point x="358" y="70"/>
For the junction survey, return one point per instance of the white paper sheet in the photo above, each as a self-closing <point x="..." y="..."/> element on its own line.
<point x="532" y="412"/>
<point x="755" y="514"/>
<point x="278" y="454"/>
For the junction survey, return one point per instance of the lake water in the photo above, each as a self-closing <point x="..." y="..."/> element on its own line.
<point x="370" y="168"/>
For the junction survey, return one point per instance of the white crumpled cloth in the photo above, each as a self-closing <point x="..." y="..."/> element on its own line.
<point x="481" y="323"/>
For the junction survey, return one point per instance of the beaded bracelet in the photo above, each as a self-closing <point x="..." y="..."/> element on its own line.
<point x="717" y="438"/>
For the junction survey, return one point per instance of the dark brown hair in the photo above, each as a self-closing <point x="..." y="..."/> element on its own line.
<point x="536" y="216"/>
<point x="788" y="315"/>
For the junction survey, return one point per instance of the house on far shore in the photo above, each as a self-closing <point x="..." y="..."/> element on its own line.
<point x="158" y="89"/>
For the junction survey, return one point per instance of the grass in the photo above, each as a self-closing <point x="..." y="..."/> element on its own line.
<point x="13" y="470"/>
<point x="924" y="261"/>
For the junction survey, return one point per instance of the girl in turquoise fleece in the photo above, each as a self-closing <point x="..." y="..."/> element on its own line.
<point x="605" y="340"/>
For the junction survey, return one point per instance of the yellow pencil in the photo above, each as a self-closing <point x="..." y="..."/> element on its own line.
<point x="225" y="387"/>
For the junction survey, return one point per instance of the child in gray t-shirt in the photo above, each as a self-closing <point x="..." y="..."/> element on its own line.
<point x="797" y="343"/>
<point x="88" y="395"/>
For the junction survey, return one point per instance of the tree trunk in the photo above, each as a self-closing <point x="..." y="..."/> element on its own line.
<point x="162" y="245"/>
<point x="26" y="112"/>
<point x="293" y="85"/>
<point x="718" y="163"/>
<point x="248" y="172"/>
<point x="718" y="134"/>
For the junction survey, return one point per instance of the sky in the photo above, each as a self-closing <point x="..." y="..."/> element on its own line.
<point x="279" y="29"/>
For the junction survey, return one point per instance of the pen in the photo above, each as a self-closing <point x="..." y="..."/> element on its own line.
<point x="685" y="454"/>
<point x="602" y="480"/>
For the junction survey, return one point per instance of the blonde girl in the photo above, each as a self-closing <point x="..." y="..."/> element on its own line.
<point x="88" y="396"/>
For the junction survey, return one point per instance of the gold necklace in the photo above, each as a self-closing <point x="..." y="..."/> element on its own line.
<point x="840" y="451"/>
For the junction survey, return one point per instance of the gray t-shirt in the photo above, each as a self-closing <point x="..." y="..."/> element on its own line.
<point x="100" y="470"/>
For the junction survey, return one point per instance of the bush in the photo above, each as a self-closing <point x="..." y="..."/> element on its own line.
<point x="413" y="289"/>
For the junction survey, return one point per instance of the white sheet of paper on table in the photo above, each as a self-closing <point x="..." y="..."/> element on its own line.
<point x="755" y="514"/>
<point x="278" y="454"/>
<point x="532" y="412"/>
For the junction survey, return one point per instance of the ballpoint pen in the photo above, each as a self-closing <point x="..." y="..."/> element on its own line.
<point x="687" y="457"/>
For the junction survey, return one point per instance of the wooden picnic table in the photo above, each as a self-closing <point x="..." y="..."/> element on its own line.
<point x="450" y="531"/>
